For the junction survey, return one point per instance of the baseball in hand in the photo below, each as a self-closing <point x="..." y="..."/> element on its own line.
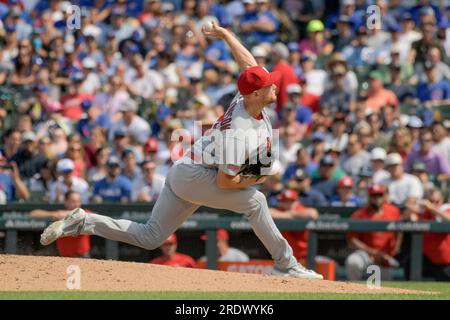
<point x="208" y="26"/>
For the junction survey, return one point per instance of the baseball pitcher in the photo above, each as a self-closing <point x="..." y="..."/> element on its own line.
<point x="219" y="171"/>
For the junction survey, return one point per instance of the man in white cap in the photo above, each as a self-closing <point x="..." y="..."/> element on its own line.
<point x="92" y="81"/>
<point x="136" y="127"/>
<point x="377" y="158"/>
<point x="260" y="54"/>
<point x="66" y="181"/>
<point x="404" y="188"/>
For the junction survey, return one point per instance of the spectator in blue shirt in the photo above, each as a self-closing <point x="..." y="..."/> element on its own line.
<point x="261" y="25"/>
<point x="303" y="162"/>
<point x="114" y="187"/>
<point x="217" y="55"/>
<point x="92" y="118"/>
<point x="433" y="90"/>
<point x="308" y="196"/>
<point x="344" y="196"/>
<point x="11" y="185"/>
<point x="425" y="7"/>
<point x="348" y="8"/>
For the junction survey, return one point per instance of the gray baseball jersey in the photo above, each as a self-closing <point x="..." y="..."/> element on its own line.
<point x="191" y="184"/>
<point x="234" y="138"/>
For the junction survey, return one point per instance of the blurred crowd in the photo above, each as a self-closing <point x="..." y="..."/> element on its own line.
<point x="91" y="108"/>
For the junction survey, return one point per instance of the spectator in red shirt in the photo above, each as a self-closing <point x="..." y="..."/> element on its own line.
<point x="436" y="246"/>
<point x="74" y="247"/>
<point x="289" y="208"/>
<point x="373" y="247"/>
<point x="170" y="256"/>
<point x="280" y="55"/>
<point x="72" y="100"/>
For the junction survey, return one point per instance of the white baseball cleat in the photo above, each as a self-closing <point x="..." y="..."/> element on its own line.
<point x="297" y="271"/>
<point x="70" y="226"/>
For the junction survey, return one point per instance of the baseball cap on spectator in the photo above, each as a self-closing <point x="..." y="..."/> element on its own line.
<point x="293" y="47"/>
<point x="407" y="16"/>
<point x="86" y="104"/>
<point x="347" y="2"/>
<point x="167" y="7"/>
<point x="255" y="78"/>
<point x="151" y="145"/>
<point x="307" y="56"/>
<point x="281" y="50"/>
<point x="375" y="189"/>
<point x="172" y="239"/>
<point x="293" y="88"/>
<point x="128" y="105"/>
<point x="120" y="133"/>
<point x="301" y="175"/>
<point x="393" y="159"/>
<point x="378" y="154"/>
<point x="376" y="75"/>
<point x="315" y="26"/>
<point x="202" y="100"/>
<point x="288" y="195"/>
<point x="419" y="167"/>
<point x="77" y="76"/>
<point x="327" y="160"/>
<point x="113" y="161"/>
<point x="338" y="70"/>
<point x="221" y="234"/>
<point x="29" y="136"/>
<point x="259" y="52"/>
<point x="89" y="63"/>
<point x="132" y="48"/>
<point x="415" y="122"/>
<point x="318" y="137"/>
<point x="345" y="182"/>
<point x="65" y="166"/>
<point x="366" y="172"/>
<point x="426" y="10"/>
<point x="248" y="1"/>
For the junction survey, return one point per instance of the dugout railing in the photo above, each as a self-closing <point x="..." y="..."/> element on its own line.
<point x="15" y="218"/>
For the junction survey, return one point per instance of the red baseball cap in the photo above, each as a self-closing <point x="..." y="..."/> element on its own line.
<point x="376" y="189"/>
<point x="172" y="239"/>
<point x="288" y="195"/>
<point x="346" y="182"/>
<point x="222" y="234"/>
<point x="151" y="145"/>
<point x="255" y="78"/>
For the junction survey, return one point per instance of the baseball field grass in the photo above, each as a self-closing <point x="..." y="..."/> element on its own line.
<point x="441" y="289"/>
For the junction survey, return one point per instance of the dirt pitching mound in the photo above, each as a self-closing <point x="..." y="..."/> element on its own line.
<point x="31" y="273"/>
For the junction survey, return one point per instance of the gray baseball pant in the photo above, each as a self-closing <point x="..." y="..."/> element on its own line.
<point x="187" y="187"/>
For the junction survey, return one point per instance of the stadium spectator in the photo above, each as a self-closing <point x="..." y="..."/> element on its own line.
<point x="324" y="179"/>
<point x="436" y="164"/>
<point x="436" y="246"/>
<point x="377" y="158"/>
<point x="99" y="170"/>
<point x="404" y="189"/>
<point x="441" y="139"/>
<point x="11" y="143"/>
<point x="27" y="158"/>
<point x="67" y="181"/>
<point x="373" y="247"/>
<point x="304" y="113"/>
<point x="377" y="95"/>
<point x="315" y="43"/>
<point x="74" y="247"/>
<point x="148" y="186"/>
<point x="225" y="251"/>
<point x="433" y="90"/>
<point x="289" y="208"/>
<point x="344" y="196"/>
<point x="307" y="195"/>
<point x="280" y="55"/>
<point x="11" y="185"/>
<point x="170" y="256"/>
<point x="338" y="97"/>
<point x="315" y="77"/>
<point x="302" y="162"/>
<point x="420" y="171"/>
<point x="114" y="187"/>
<point x="355" y="157"/>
